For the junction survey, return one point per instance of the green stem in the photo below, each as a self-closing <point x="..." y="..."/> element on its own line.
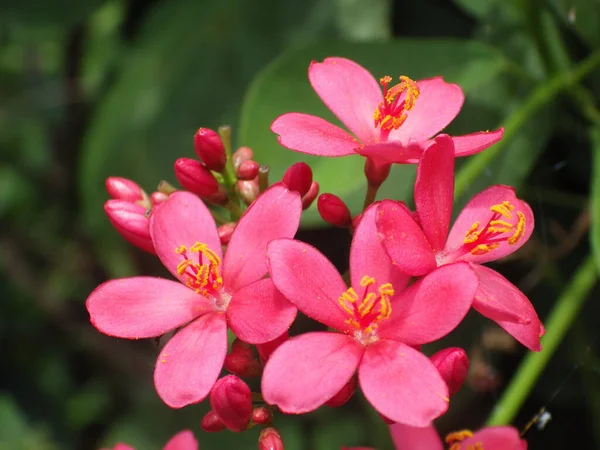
<point x="566" y="309"/>
<point x="540" y="96"/>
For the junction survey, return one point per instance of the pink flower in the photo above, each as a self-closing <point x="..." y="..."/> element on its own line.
<point x="378" y="323"/>
<point x="389" y="127"/>
<point x="494" y="224"/>
<point x="184" y="440"/>
<point x="210" y="294"/>
<point x="489" y="438"/>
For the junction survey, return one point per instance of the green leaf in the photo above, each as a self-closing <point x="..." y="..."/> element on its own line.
<point x="283" y="87"/>
<point x="583" y="16"/>
<point x="595" y="194"/>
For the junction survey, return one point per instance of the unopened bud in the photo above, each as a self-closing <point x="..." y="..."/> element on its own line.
<point x="225" y="231"/>
<point x="248" y="170"/>
<point x="210" y="150"/>
<point x="265" y="350"/>
<point x="241" y="361"/>
<point x="158" y="197"/>
<point x="310" y="196"/>
<point x="131" y="221"/>
<point x="212" y="423"/>
<point x="453" y="365"/>
<point x="196" y="178"/>
<point x="124" y="189"/>
<point x="376" y="173"/>
<point x="270" y="439"/>
<point x="262" y="415"/>
<point x="345" y="394"/>
<point x="231" y="400"/>
<point x="248" y="190"/>
<point x="333" y="210"/>
<point x="298" y="178"/>
<point x="356" y="221"/>
<point x="240" y="155"/>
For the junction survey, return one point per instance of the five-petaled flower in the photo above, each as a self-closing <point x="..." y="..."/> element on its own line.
<point x="493" y="224"/>
<point x="379" y="325"/>
<point x="390" y="127"/>
<point x="210" y="294"/>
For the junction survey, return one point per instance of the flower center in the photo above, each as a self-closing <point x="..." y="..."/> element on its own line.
<point x="454" y="441"/>
<point x="366" y="312"/>
<point x="503" y="226"/>
<point x="391" y="112"/>
<point x="203" y="275"/>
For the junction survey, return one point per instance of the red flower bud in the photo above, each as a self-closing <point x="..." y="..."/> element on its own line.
<point x="310" y="196"/>
<point x="248" y="170"/>
<point x="333" y="210"/>
<point x="265" y="350"/>
<point x="376" y="174"/>
<point x="158" y="197"/>
<point x="248" y="190"/>
<point x="453" y="365"/>
<point x="240" y="155"/>
<point x="270" y="439"/>
<point x="342" y="397"/>
<point x="212" y="423"/>
<point x="356" y="221"/>
<point x="196" y="178"/>
<point x="262" y="415"/>
<point x="241" y="361"/>
<point x="124" y="189"/>
<point x="225" y="231"/>
<point x="210" y="150"/>
<point x="231" y="400"/>
<point x="131" y="221"/>
<point x="298" y="177"/>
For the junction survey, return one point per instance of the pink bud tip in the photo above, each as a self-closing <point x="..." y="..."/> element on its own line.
<point x="248" y="170"/>
<point x="131" y="221"/>
<point x="376" y="173"/>
<point x="298" y="178"/>
<point x="453" y="365"/>
<point x="248" y="190"/>
<point x="225" y="231"/>
<point x="158" y="197"/>
<point x="196" y="178"/>
<point x="231" y="400"/>
<point x="345" y="394"/>
<point x="270" y="439"/>
<point x="124" y="189"/>
<point x="310" y="196"/>
<point x="265" y="350"/>
<point x="262" y="415"/>
<point x="333" y="210"/>
<point x="211" y="423"/>
<point x="210" y="150"/>
<point x="240" y="155"/>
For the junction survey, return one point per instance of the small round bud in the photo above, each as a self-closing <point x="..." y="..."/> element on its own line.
<point x="131" y="221"/>
<point x="240" y="155"/>
<point x="231" y="400"/>
<point x="211" y="423"/>
<point x="270" y="439"/>
<point x="345" y="394"/>
<point x="248" y="170"/>
<point x="376" y="173"/>
<point x="196" y="178"/>
<point x="453" y="365"/>
<point x="124" y="189"/>
<point x="158" y="197"/>
<point x="248" y="190"/>
<point x="265" y="350"/>
<point x="333" y="210"/>
<point x="298" y="178"/>
<point x="310" y="196"/>
<point x="241" y="361"/>
<point x="210" y="150"/>
<point x="225" y="231"/>
<point x="262" y="415"/>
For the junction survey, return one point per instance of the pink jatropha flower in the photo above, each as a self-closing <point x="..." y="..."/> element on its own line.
<point x="493" y="224"/>
<point x="379" y="325"/>
<point x="390" y="127"/>
<point x="184" y="440"/>
<point x="210" y="294"/>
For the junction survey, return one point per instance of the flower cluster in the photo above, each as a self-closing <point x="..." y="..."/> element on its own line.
<point x="228" y="240"/>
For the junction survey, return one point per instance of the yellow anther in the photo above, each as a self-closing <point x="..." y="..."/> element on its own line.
<point x="473" y="234"/>
<point x="198" y="274"/>
<point x="458" y="436"/>
<point x="181" y="249"/>
<point x="367" y="281"/>
<point x="482" y="249"/>
<point x="183" y="265"/>
<point x="366" y="306"/>
<point x="390" y="115"/>
<point x="520" y="229"/>
<point x="385" y="80"/>
<point x="503" y="209"/>
<point x="386" y="289"/>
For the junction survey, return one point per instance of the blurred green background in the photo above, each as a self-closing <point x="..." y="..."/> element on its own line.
<point x="92" y="88"/>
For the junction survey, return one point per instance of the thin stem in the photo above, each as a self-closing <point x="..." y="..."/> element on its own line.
<point x="566" y="309"/>
<point x="370" y="195"/>
<point x="540" y="96"/>
<point x="263" y="177"/>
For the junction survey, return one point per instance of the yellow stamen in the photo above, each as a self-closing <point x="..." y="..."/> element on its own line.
<point x="200" y="274"/>
<point x="458" y="436"/>
<point x="503" y="209"/>
<point x="473" y="234"/>
<point x="388" y="115"/>
<point x="520" y="231"/>
<point x="482" y="249"/>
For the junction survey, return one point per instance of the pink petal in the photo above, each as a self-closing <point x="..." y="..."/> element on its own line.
<point x="367" y="255"/>
<point x="142" y="307"/>
<point x="313" y="135"/>
<point x="188" y="366"/>
<point x="438" y="103"/>
<point x="275" y="214"/>
<point x="403" y="239"/>
<point x="476" y="142"/>
<point x="184" y="440"/>
<point x="496" y="438"/>
<point x="434" y="190"/>
<point x="432" y="307"/>
<point x="500" y="300"/>
<point x="182" y="220"/>
<point x="308" y="280"/>
<point x="121" y="446"/>
<point x="402" y="384"/>
<point x="349" y="91"/>
<point x="411" y="438"/>
<point x="393" y="152"/>
<point x="259" y="313"/>
<point x="307" y="370"/>
<point x="478" y="210"/>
